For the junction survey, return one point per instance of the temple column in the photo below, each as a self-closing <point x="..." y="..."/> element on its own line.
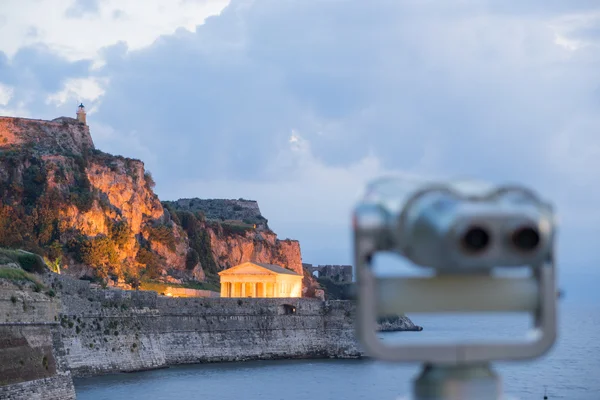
<point x="243" y="289"/>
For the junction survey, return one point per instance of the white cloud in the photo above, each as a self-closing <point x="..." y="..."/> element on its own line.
<point x="19" y="109"/>
<point x="136" y="23"/>
<point x="6" y="93"/>
<point x="79" y="90"/>
<point x="313" y="193"/>
<point x="570" y="30"/>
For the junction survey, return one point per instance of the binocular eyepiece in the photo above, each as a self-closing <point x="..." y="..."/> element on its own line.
<point x="477" y="239"/>
<point x="452" y="230"/>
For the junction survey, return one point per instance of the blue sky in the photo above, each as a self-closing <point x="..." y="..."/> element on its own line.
<point x="298" y="104"/>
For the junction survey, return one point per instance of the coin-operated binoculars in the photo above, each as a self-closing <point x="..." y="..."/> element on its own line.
<point x="465" y="236"/>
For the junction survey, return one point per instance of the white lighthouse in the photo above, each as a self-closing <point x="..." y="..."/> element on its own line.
<point x="81" y="114"/>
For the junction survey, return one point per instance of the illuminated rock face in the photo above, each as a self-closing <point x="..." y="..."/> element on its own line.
<point x="51" y="175"/>
<point x="260" y="280"/>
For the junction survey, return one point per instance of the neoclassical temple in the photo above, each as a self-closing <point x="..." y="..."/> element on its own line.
<point x="260" y="280"/>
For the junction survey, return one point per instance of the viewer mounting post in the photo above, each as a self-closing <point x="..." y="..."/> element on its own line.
<point x="462" y="234"/>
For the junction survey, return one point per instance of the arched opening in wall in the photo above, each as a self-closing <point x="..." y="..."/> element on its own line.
<point x="287" y="309"/>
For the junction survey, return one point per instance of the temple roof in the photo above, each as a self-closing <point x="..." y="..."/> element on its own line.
<point x="271" y="267"/>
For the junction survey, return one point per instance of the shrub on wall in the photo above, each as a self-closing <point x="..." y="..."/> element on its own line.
<point x="31" y="262"/>
<point x="98" y="251"/>
<point x="120" y="233"/>
<point x="151" y="261"/>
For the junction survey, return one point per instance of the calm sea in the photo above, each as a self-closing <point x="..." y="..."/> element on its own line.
<point x="570" y="371"/>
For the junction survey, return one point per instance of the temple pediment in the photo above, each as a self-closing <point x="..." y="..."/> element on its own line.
<point x="250" y="268"/>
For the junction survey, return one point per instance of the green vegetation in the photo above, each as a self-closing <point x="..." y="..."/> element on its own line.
<point x="81" y="193"/>
<point x="150" y="184"/>
<point x="172" y="212"/>
<point x="163" y="234"/>
<point x="28" y="261"/>
<point x="53" y="265"/>
<point x="132" y="278"/>
<point x="98" y="252"/>
<point x="18" y="275"/>
<point x="191" y="259"/>
<point x="151" y="260"/>
<point x="120" y="232"/>
<point x="235" y="228"/>
<point x="194" y="225"/>
<point x="34" y="182"/>
<point x="31" y="262"/>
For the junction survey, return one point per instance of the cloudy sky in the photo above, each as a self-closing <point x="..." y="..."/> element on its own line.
<point x="298" y="104"/>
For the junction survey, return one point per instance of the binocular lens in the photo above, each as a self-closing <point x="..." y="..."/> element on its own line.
<point x="526" y="239"/>
<point x="475" y="239"/>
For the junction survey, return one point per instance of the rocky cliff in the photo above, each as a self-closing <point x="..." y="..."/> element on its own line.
<point x="96" y="216"/>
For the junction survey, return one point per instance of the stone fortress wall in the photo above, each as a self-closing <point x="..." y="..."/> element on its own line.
<point x="337" y="273"/>
<point x="32" y="363"/>
<point x="106" y="331"/>
<point x="224" y="209"/>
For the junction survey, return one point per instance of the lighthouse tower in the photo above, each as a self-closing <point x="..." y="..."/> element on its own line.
<point x="81" y="114"/>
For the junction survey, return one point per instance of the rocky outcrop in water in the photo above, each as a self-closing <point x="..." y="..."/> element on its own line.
<point x="397" y="323"/>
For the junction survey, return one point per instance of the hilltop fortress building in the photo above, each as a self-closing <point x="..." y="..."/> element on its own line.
<point x="60" y="135"/>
